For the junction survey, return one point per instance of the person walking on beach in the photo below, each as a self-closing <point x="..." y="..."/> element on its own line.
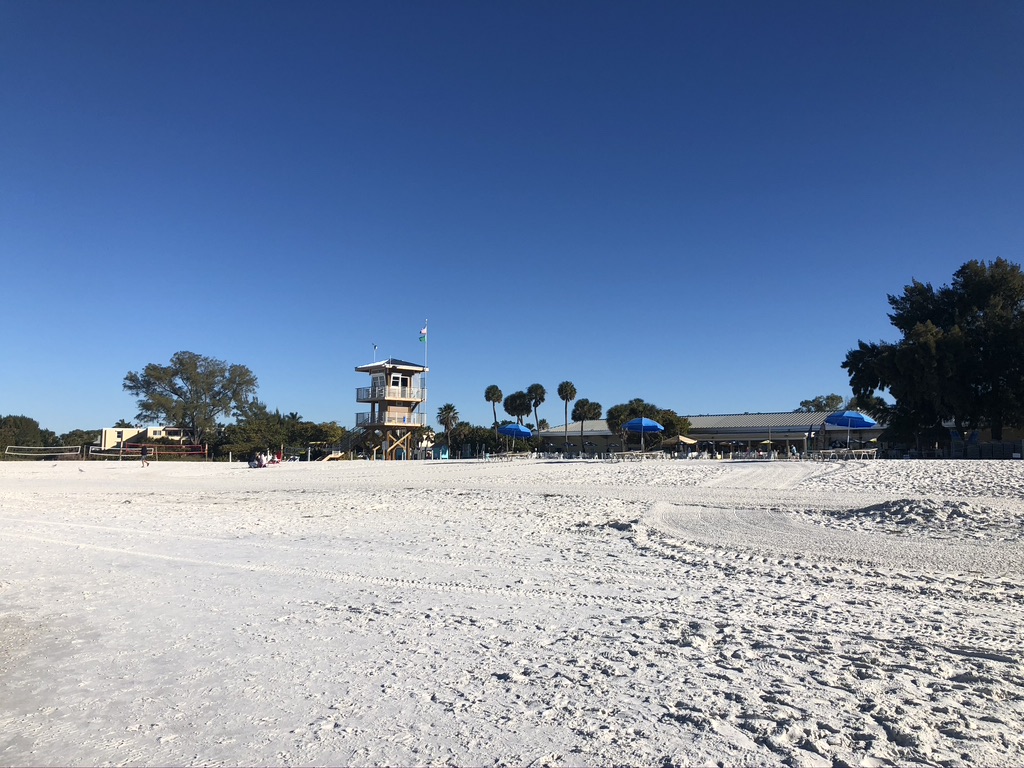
<point x="145" y="455"/>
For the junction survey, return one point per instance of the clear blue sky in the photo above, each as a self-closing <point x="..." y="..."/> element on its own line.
<point x="700" y="204"/>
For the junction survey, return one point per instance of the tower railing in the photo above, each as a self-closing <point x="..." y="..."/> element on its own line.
<point x="374" y="394"/>
<point x="391" y="419"/>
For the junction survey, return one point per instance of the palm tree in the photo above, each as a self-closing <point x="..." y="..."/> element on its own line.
<point x="493" y="396"/>
<point x="462" y="434"/>
<point x="584" y="410"/>
<point x="447" y="417"/>
<point x="517" y="405"/>
<point x="567" y="393"/>
<point x="536" y="393"/>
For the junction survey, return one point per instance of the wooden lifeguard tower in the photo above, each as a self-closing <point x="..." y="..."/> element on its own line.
<point x="395" y="393"/>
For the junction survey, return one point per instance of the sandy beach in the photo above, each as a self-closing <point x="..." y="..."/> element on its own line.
<point x="520" y="613"/>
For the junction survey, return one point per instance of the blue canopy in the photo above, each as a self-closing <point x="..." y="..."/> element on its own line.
<point x="850" y="420"/>
<point x="642" y="425"/>
<point x="515" y="430"/>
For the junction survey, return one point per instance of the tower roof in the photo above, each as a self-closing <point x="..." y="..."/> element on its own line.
<point x="391" y="364"/>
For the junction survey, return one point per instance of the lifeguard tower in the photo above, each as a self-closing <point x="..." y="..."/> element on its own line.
<point x="395" y="393"/>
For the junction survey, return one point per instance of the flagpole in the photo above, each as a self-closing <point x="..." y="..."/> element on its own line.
<point x="423" y="376"/>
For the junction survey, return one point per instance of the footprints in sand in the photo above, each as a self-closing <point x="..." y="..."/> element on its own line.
<point x="948" y="519"/>
<point x="903" y="690"/>
<point x="531" y="615"/>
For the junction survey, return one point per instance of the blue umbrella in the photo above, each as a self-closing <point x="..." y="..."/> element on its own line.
<point x="642" y="425"/>
<point x="850" y="420"/>
<point x="514" y="431"/>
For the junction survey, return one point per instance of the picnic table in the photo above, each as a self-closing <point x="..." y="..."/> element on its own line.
<point x="844" y="454"/>
<point x="508" y="456"/>
<point x="638" y="455"/>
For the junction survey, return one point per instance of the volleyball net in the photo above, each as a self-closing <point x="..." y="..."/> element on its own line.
<point x="43" y="452"/>
<point x="154" y="452"/>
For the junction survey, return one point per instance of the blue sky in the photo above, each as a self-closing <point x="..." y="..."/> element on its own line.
<point x="700" y="204"/>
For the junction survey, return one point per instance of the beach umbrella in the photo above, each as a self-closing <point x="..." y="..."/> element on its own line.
<point x="514" y="431"/>
<point x="642" y="425"/>
<point x="850" y="420"/>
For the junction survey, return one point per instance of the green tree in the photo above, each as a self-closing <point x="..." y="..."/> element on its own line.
<point x="961" y="355"/>
<point x="585" y="410"/>
<point x="317" y="439"/>
<point x="447" y="417"/>
<point x="483" y="439"/>
<point x="566" y="393"/>
<point x="191" y="392"/>
<point x="822" y="403"/>
<point x="20" y="430"/>
<point x="493" y="395"/>
<point x="518" y="405"/>
<point x="536" y="393"/>
<point x="80" y="437"/>
<point x="459" y="438"/>
<point x="673" y="423"/>
<point x="874" y="406"/>
<point x="256" y="429"/>
<point x="623" y="412"/>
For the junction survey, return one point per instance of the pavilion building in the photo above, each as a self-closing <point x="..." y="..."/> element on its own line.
<point x="746" y="431"/>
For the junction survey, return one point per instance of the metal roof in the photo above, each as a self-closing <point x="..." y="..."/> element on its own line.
<point x="784" y="420"/>
<point x="391" y="362"/>
<point x="791" y="425"/>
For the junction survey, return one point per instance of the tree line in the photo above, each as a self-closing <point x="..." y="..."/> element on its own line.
<point x="197" y="394"/>
<point x="959" y="359"/>
<point x="24" y="430"/>
<point x="521" y="403"/>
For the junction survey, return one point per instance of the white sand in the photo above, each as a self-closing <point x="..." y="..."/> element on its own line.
<point x="524" y="613"/>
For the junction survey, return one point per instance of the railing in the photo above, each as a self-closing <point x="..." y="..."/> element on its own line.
<point x="391" y="419"/>
<point x="373" y="394"/>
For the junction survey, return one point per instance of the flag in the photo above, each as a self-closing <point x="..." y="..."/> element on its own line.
<point x="423" y="334"/>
